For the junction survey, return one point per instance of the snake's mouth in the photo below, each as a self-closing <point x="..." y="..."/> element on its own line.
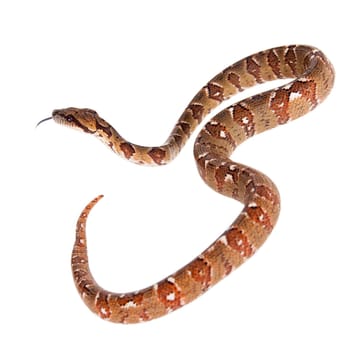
<point x="59" y="116"/>
<point x="64" y="116"/>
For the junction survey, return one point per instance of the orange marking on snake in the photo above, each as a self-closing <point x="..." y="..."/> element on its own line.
<point x="234" y="79"/>
<point x="215" y="92"/>
<point x="254" y="69"/>
<point x="102" y="305"/>
<point x="200" y="272"/>
<point x="238" y="241"/>
<point x="158" y="155"/>
<point x="274" y="63"/>
<point x="197" y="111"/>
<point x="127" y="149"/>
<point x="291" y="60"/>
<point x="169" y="295"/>
<point x="260" y="216"/>
<point x="244" y="117"/>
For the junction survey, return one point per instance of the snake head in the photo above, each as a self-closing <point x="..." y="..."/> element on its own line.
<point x="83" y="119"/>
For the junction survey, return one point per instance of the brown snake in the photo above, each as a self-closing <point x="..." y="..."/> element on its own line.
<point x="313" y="78"/>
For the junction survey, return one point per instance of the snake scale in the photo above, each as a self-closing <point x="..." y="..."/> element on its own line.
<point x="311" y="79"/>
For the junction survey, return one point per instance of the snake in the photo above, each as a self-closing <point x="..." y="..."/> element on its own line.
<point x="310" y="78"/>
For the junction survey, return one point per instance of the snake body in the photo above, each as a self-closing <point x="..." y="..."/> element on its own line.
<point x="312" y="78"/>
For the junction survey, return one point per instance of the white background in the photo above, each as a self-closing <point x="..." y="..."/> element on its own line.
<point x="138" y="63"/>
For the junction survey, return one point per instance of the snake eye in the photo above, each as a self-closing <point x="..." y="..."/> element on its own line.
<point x="69" y="118"/>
